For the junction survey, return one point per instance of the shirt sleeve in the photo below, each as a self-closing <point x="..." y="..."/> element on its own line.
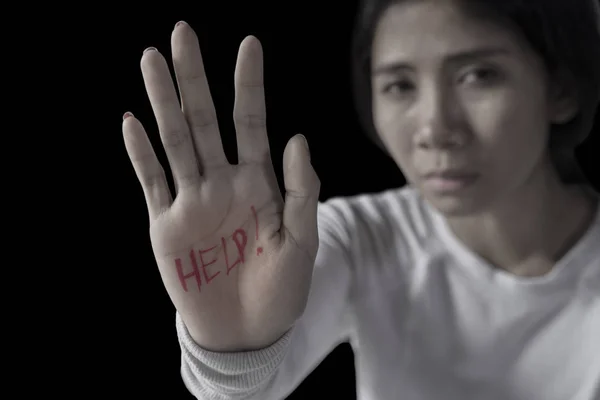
<point x="273" y="373"/>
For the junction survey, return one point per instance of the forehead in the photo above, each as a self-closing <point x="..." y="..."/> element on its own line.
<point x="434" y="28"/>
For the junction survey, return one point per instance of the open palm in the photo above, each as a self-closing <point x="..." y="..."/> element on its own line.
<point x="235" y="258"/>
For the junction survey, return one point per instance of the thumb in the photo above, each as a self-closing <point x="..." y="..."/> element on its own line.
<point x="302" y="188"/>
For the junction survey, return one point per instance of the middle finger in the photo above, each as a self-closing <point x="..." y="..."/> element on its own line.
<point x="196" y="99"/>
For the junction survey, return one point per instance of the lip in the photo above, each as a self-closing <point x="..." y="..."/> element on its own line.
<point x="449" y="180"/>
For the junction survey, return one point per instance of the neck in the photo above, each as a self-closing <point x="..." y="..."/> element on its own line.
<point x="527" y="232"/>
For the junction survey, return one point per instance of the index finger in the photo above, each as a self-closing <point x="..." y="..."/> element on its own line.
<point x="174" y="132"/>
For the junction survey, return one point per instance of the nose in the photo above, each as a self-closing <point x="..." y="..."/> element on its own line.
<point x="441" y="123"/>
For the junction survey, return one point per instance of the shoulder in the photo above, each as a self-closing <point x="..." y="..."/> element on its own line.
<point x="589" y="252"/>
<point x="376" y="226"/>
<point x="387" y="209"/>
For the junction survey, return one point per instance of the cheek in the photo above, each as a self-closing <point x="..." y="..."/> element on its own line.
<point x="510" y="129"/>
<point x="396" y="131"/>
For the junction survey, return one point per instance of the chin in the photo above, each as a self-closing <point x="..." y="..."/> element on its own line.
<point x="454" y="208"/>
<point x="459" y="204"/>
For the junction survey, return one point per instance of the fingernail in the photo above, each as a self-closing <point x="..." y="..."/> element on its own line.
<point x="127" y="115"/>
<point x="254" y="43"/>
<point x="304" y="140"/>
<point x="149" y="49"/>
<point x="305" y="144"/>
<point x="180" y="23"/>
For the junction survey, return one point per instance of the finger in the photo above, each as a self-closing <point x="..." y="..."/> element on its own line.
<point x="174" y="132"/>
<point x="302" y="188"/>
<point x="197" y="104"/>
<point x="249" y="113"/>
<point x="147" y="168"/>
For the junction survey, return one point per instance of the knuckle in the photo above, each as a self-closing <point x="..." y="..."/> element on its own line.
<point x="251" y="85"/>
<point x="201" y="118"/>
<point x="251" y="121"/>
<point x="187" y="181"/>
<point x="152" y="180"/>
<point x="174" y="138"/>
<point x="141" y="161"/>
<point x="317" y="184"/>
<point x="194" y="76"/>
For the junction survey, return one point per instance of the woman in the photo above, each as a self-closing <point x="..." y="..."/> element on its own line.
<point x="478" y="280"/>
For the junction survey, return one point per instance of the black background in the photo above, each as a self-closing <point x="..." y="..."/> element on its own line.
<point x="306" y="47"/>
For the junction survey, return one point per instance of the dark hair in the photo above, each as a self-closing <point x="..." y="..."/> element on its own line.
<point x="565" y="33"/>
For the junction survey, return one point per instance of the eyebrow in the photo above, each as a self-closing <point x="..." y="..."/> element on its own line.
<point x="456" y="58"/>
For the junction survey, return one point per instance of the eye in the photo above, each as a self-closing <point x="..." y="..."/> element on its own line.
<point x="480" y="76"/>
<point x="400" y="87"/>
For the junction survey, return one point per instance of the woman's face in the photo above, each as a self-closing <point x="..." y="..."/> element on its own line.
<point x="461" y="104"/>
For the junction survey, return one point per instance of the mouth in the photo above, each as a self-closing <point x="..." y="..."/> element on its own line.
<point x="449" y="181"/>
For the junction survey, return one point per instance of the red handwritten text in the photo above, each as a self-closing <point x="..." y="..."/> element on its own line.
<point x="199" y="270"/>
<point x="258" y="249"/>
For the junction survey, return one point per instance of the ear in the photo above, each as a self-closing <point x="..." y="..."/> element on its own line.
<point x="563" y="99"/>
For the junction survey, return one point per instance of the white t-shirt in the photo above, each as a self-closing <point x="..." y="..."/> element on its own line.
<point x="427" y="319"/>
